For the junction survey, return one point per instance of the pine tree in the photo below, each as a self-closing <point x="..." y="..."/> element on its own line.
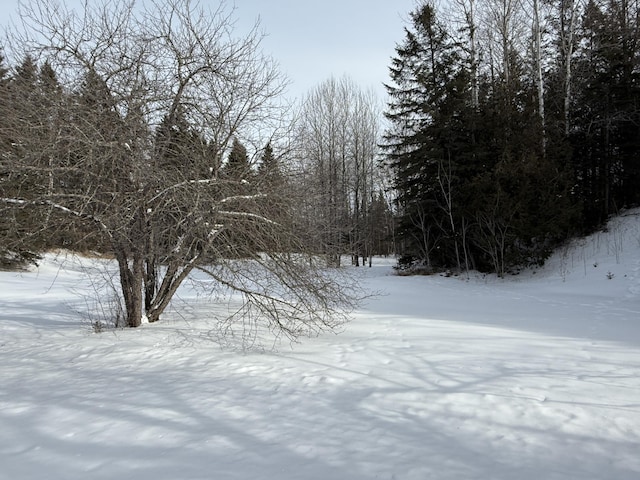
<point x="424" y="145"/>
<point x="11" y="255"/>
<point x="269" y="172"/>
<point x="237" y="184"/>
<point x="380" y="227"/>
<point x="606" y="133"/>
<point x="25" y="113"/>
<point x="26" y="74"/>
<point x="274" y="192"/>
<point x="475" y="182"/>
<point x="179" y="148"/>
<point x="237" y="167"/>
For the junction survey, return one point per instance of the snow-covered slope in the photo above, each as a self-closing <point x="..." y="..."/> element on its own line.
<point x="532" y="377"/>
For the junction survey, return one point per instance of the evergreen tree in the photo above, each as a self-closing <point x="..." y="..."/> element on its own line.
<point x="237" y="167"/>
<point x="475" y="185"/>
<point x="426" y="142"/>
<point x="11" y="254"/>
<point x="606" y="133"/>
<point x="269" y="173"/>
<point x="519" y="202"/>
<point x="274" y="193"/>
<point x="24" y="95"/>
<point x="26" y="74"/>
<point x="179" y="148"/>
<point x="238" y="187"/>
<point x="26" y="112"/>
<point x="380" y="227"/>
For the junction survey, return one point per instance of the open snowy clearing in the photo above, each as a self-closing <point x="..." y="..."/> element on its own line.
<point x="532" y="377"/>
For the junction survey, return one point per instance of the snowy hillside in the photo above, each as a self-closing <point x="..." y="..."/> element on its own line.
<point x="532" y="377"/>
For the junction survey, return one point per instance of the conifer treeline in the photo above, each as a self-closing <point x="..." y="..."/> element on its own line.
<point x="39" y="120"/>
<point x="512" y="129"/>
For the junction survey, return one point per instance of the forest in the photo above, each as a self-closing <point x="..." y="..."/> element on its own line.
<point x="514" y="126"/>
<point x="159" y="138"/>
<point x="204" y="278"/>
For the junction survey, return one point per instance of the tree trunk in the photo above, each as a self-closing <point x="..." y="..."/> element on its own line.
<point x="567" y="12"/>
<point x="537" y="46"/>
<point x="131" y="281"/>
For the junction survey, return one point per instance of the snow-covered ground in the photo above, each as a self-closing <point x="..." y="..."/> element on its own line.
<point x="532" y="377"/>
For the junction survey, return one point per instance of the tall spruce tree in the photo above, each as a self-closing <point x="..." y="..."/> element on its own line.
<point x="13" y="251"/>
<point x="427" y="139"/>
<point x="269" y="174"/>
<point x="237" y="167"/>
<point x="178" y="145"/>
<point x="25" y="110"/>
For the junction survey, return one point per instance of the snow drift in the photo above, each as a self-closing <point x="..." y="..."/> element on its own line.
<point x="534" y="376"/>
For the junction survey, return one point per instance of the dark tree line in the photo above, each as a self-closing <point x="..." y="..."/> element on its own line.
<point x="512" y="128"/>
<point x="32" y="95"/>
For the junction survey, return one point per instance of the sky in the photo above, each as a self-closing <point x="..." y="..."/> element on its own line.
<point x="315" y="40"/>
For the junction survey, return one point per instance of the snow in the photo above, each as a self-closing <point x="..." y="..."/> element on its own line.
<point x="536" y="376"/>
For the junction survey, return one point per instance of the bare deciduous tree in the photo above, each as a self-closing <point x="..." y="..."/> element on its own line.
<point x="337" y="149"/>
<point x="537" y="29"/>
<point x="503" y="31"/>
<point x="154" y="94"/>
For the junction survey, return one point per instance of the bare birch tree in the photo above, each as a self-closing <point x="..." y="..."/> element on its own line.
<point x="503" y="30"/>
<point x="537" y="28"/>
<point x="567" y="17"/>
<point x="157" y="91"/>
<point x="464" y="15"/>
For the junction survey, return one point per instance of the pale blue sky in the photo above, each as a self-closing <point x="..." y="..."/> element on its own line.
<point x="315" y="39"/>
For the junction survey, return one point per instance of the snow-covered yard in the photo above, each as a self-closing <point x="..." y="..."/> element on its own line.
<point x="532" y="377"/>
